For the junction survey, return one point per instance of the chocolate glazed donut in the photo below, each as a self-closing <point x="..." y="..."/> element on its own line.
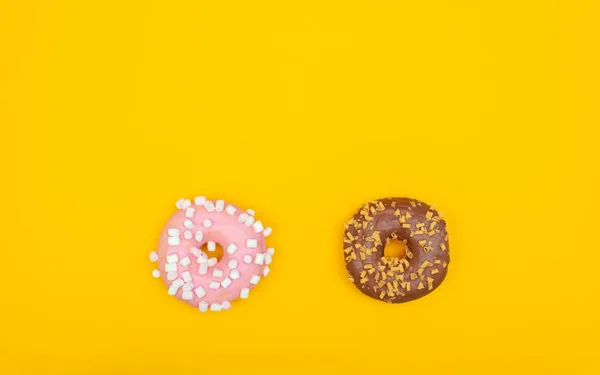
<point x="391" y="279"/>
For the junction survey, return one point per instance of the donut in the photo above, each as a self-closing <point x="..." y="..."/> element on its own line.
<point x="192" y="275"/>
<point x="419" y="271"/>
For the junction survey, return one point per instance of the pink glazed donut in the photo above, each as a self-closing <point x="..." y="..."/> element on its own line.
<point x="191" y="274"/>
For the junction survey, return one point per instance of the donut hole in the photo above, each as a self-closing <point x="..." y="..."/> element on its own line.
<point x="216" y="253"/>
<point x="395" y="249"/>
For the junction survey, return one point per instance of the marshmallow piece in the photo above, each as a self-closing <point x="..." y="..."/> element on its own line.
<point x="259" y="259"/>
<point x="153" y="256"/>
<point x="172" y="275"/>
<point x="212" y="246"/>
<point x="267" y="232"/>
<point x="187" y="296"/>
<point x="220" y="204"/>
<point x="188" y="224"/>
<point x="179" y="203"/>
<point x="217" y="273"/>
<point x="268" y="258"/>
<point x="232" y="248"/>
<point x="226" y="305"/>
<point x="203" y="306"/>
<point x="202" y="257"/>
<point x="203" y="268"/>
<point x="173" y="232"/>
<point x="185" y="204"/>
<point x="266" y="271"/>
<point x="247" y="258"/>
<point x="234" y="274"/>
<point x="187" y="287"/>
<point x="250" y="212"/>
<point x="199" y="236"/>
<point x="244" y="293"/>
<point x="233" y="263"/>
<point x="207" y="223"/>
<point x="187" y="276"/>
<point x="172" y="290"/>
<point x="185" y="261"/>
<point x="258" y="227"/>
<point x="214" y="285"/>
<point x="271" y="251"/>
<point x="209" y="205"/>
<point x="187" y="235"/>
<point x="249" y="221"/>
<point x="172" y="258"/>
<point x="200" y="291"/>
<point x="190" y="211"/>
<point x="177" y="283"/>
<point x="226" y="282"/>
<point x="230" y="210"/>
<point x="212" y="262"/>
<point x="195" y="252"/>
<point x="252" y="243"/>
<point x="156" y="273"/>
<point x="243" y="217"/>
<point x="173" y="241"/>
<point x="215" y="307"/>
<point x="199" y="201"/>
<point x="254" y="279"/>
<point x="171" y="267"/>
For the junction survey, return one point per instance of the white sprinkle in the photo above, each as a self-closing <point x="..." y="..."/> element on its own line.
<point x="258" y="227"/>
<point x="217" y="273"/>
<point x="212" y="246"/>
<point x="203" y="306"/>
<point x="173" y="232"/>
<point x="185" y="261"/>
<point x="179" y="203"/>
<point x="244" y="293"/>
<point x="178" y="283"/>
<point x="252" y="243"/>
<point x="254" y="279"/>
<point x="190" y="211"/>
<point x="185" y="204"/>
<point x="215" y="307"/>
<point x="187" y="296"/>
<point x="203" y="268"/>
<point x="173" y="241"/>
<point x="226" y="305"/>
<point x="172" y="275"/>
<point x="271" y="251"/>
<point x="202" y="257"/>
<point x="187" y="276"/>
<point x="230" y="210"/>
<point x="172" y="258"/>
<point x="199" y="236"/>
<point x="200" y="291"/>
<point x="220" y="204"/>
<point x="195" y="252"/>
<point x="234" y="274"/>
<point x="233" y="263"/>
<point x="266" y="271"/>
<point x="249" y="221"/>
<point x="187" y="287"/>
<point x="209" y="205"/>
<point x="232" y="248"/>
<point x="247" y="258"/>
<point x="226" y="282"/>
<point x="153" y="256"/>
<point x="214" y="285"/>
<point x="188" y="224"/>
<point x="207" y="223"/>
<point x="172" y="290"/>
<point x="243" y="217"/>
<point x="259" y="259"/>
<point x="250" y="212"/>
<point x="268" y="231"/>
<point x="199" y="201"/>
<point x="156" y="273"/>
<point x="187" y="235"/>
<point x="171" y="267"/>
<point x="268" y="258"/>
<point x="212" y="262"/>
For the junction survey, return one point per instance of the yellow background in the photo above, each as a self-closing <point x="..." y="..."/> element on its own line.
<point x="110" y="111"/>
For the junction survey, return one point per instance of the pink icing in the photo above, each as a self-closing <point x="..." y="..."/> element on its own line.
<point x="225" y="230"/>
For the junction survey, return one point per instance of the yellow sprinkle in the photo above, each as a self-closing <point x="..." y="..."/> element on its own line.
<point x="371" y="271"/>
<point x="412" y="234"/>
<point x="429" y="215"/>
<point x="382" y="295"/>
<point x="432" y="225"/>
<point x="347" y="240"/>
<point x="381" y="283"/>
<point x="363" y="256"/>
<point x="393" y="203"/>
<point x="443" y="247"/>
<point x="408" y="215"/>
<point x="383" y="276"/>
<point x="390" y="293"/>
<point x="363" y="273"/>
<point x="397" y="213"/>
<point x="373" y="210"/>
<point x="380" y="206"/>
<point x="405" y="261"/>
<point x="420" y="286"/>
<point x="400" y="277"/>
<point x="350" y="236"/>
<point x="437" y="261"/>
<point x="408" y="287"/>
<point x="405" y="225"/>
<point x="412" y="204"/>
<point x="434" y="271"/>
<point x="420" y="272"/>
<point x="430" y="283"/>
<point x="365" y="224"/>
<point x="376" y="277"/>
<point x="420" y="225"/>
<point x="364" y="280"/>
<point x="444" y="264"/>
<point x="395" y="284"/>
<point x="395" y="268"/>
<point x="390" y="273"/>
<point x="367" y="266"/>
<point x="402" y="220"/>
<point x="348" y="250"/>
<point x="389" y="285"/>
<point x="431" y="233"/>
<point x="413" y="276"/>
<point x="423" y="243"/>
